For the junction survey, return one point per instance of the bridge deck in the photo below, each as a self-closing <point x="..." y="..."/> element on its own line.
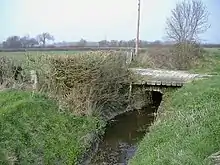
<point x="156" y="77"/>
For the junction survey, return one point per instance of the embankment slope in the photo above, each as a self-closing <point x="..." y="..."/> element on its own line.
<point x="33" y="131"/>
<point x="188" y="132"/>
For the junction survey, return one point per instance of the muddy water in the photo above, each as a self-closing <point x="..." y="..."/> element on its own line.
<point x="122" y="137"/>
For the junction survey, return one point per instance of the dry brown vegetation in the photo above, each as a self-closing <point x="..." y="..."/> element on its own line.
<point x="178" y="57"/>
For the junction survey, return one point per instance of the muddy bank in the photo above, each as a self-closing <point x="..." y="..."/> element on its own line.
<point x="96" y="138"/>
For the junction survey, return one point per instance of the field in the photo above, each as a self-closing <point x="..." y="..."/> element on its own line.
<point x="21" y="55"/>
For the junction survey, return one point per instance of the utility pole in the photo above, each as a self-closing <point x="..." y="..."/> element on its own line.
<point x="138" y="28"/>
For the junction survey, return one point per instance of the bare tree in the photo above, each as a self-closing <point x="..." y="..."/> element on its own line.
<point x="188" y="20"/>
<point x="42" y="38"/>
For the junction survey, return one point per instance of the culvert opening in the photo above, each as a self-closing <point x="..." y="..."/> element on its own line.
<point x="124" y="132"/>
<point x="156" y="98"/>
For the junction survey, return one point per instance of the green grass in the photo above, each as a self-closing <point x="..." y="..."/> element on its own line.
<point x="33" y="131"/>
<point x="189" y="130"/>
<point x="20" y="57"/>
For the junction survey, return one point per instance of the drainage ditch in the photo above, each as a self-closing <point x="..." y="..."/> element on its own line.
<point x="124" y="132"/>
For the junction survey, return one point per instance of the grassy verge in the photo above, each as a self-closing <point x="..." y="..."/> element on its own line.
<point x="33" y="131"/>
<point x="189" y="131"/>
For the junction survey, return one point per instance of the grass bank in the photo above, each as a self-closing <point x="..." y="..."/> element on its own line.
<point x="188" y="132"/>
<point x="33" y="131"/>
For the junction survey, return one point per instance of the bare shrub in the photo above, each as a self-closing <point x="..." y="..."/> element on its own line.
<point x="160" y="57"/>
<point x="7" y="71"/>
<point x="185" y="55"/>
<point x="155" y="57"/>
<point x="87" y="83"/>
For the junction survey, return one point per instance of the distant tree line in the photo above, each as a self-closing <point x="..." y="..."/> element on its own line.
<point x="15" y="42"/>
<point x="19" y="42"/>
<point x="40" y="41"/>
<point x="27" y="41"/>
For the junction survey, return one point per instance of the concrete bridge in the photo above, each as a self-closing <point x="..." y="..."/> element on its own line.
<point x="159" y="77"/>
<point x="150" y="84"/>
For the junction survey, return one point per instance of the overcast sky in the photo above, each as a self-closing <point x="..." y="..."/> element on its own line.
<point x="96" y="20"/>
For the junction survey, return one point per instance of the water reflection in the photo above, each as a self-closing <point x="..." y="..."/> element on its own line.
<point x="122" y="136"/>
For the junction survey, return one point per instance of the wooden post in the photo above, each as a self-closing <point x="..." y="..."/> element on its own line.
<point x="138" y="28"/>
<point x="34" y="80"/>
